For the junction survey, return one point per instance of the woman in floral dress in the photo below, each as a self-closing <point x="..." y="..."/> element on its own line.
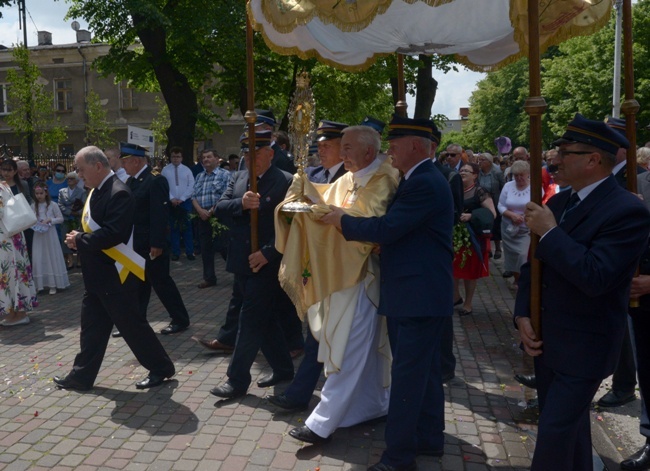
<point x="17" y="291"/>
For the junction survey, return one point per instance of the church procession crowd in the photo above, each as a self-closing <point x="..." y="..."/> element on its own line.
<point x="374" y="252"/>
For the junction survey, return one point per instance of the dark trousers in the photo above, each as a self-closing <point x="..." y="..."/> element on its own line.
<point x="302" y="387"/>
<point x="641" y="327"/>
<point x="209" y="246"/>
<point x="157" y="276"/>
<point x="259" y="328"/>
<point x="99" y="312"/>
<point x="564" y="433"/>
<point x="228" y="331"/>
<point x="624" y="378"/>
<point x="287" y="317"/>
<point x="416" y="407"/>
<point x="180" y="224"/>
<point x="447" y="358"/>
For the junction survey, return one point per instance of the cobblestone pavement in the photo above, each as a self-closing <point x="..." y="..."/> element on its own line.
<point x="181" y="426"/>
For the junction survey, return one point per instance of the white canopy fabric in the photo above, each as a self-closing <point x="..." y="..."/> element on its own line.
<point x="483" y="34"/>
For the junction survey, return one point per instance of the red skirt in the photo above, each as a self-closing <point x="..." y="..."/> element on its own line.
<point x="475" y="267"/>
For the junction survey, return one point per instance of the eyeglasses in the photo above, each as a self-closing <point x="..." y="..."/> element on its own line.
<point x="465" y="171"/>
<point x="60" y="170"/>
<point x="564" y="153"/>
<point x="451" y="154"/>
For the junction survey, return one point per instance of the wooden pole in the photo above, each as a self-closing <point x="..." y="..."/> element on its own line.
<point x="630" y="107"/>
<point x="535" y="106"/>
<point x="250" y="118"/>
<point x="401" y="105"/>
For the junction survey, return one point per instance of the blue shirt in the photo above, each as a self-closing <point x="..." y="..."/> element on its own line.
<point x="208" y="187"/>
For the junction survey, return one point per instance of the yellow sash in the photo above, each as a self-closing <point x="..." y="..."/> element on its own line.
<point x="126" y="259"/>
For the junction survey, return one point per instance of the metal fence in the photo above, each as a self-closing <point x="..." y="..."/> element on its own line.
<point x="51" y="160"/>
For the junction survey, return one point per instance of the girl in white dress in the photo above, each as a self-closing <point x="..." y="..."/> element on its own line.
<point x="48" y="266"/>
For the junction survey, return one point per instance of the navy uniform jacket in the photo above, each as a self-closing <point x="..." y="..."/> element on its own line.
<point x="112" y="207"/>
<point x="151" y="193"/>
<point x="587" y="265"/>
<point x="272" y="188"/>
<point x="282" y="160"/>
<point x="317" y="174"/>
<point x="415" y="236"/>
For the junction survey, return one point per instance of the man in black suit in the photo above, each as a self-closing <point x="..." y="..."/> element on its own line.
<point x="591" y="239"/>
<point x="150" y="229"/>
<point x="328" y="136"/>
<point x="263" y="302"/>
<point x="111" y="296"/>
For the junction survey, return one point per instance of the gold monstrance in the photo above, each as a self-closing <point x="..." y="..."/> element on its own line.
<point x="302" y="119"/>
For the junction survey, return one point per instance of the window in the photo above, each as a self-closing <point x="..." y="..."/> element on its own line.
<point x="4" y="99"/>
<point x="63" y="91"/>
<point x="66" y="149"/>
<point x="127" y="97"/>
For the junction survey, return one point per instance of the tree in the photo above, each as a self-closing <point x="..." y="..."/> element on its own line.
<point x="31" y="105"/>
<point x="577" y="76"/>
<point x="98" y="130"/>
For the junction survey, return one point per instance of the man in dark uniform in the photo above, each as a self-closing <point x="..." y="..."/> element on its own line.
<point x="328" y="137"/>
<point x="415" y="237"/>
<point x="624" y="378"/>
<point x="447" y="358"/>
<point x="266" y="122"/>
<point x="111" y="296"/>
<point x="150" y="229"/>
<point x="263" y="302"/>
<point x="591" y="239"/>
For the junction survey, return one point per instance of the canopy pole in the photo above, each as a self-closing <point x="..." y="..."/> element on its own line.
<point x="630" y="107"/>
<point x="535" y="106"/>
<point x="250" y="118"/>
<point x="401" y="105"/>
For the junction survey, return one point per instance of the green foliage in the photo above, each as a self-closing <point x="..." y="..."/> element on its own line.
<point x="453" y="137"/>
<point x="98" y="130"/>
<point x="161" y="123"/>
<point x="577" y="76"/>
<point x="31" y="105"/>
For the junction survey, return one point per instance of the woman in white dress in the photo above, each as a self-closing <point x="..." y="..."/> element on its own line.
<point x="48" y="265"/>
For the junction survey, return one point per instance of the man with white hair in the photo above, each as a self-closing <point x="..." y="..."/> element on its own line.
<point x="341" y="296"/>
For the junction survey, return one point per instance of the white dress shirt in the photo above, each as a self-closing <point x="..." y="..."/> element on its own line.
<point x="181" y="181"/>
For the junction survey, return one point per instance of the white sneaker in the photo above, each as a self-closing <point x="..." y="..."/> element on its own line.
<point x="52" y="290"/>
<point x="23" y="321"/>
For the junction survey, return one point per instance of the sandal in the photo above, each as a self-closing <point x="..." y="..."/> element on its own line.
<point x="464" y="312"/>
<point x="459" y="302"/>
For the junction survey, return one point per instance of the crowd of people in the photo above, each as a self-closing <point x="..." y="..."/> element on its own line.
<point x="374" y="252"/>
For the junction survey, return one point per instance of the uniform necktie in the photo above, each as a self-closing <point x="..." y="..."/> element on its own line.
<point x="327" y="176"/>
<point x="176" y="174"/>
<point x="571" y="205"/>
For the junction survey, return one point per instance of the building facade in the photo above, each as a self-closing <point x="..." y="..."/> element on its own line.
<point x="66" y="70"/>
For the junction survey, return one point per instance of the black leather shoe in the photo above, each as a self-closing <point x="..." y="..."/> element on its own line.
<point x="227" y="391"/>
<point x="530" y="381"/>
<point x="386" y="467"/>
<point x="507" y="274"/>
<point x="68" y="382"/>
<point x="273" y="379"/>
<point x="615" y="398"/>
<point x="305" y="435"/>
<point x="283" y="402"/>
<point x="173" y="329"/>
<point x="116" y="334"/>
<point x="154" y="380"/>
<point x="639" y="460"/>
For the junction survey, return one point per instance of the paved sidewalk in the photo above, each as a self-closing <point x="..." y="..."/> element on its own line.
<point x="181" y="426"/>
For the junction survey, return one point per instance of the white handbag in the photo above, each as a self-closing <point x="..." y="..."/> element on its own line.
<point x="17" y="215"/>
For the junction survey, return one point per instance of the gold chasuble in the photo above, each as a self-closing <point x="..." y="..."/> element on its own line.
<point x="320" y="270"/>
